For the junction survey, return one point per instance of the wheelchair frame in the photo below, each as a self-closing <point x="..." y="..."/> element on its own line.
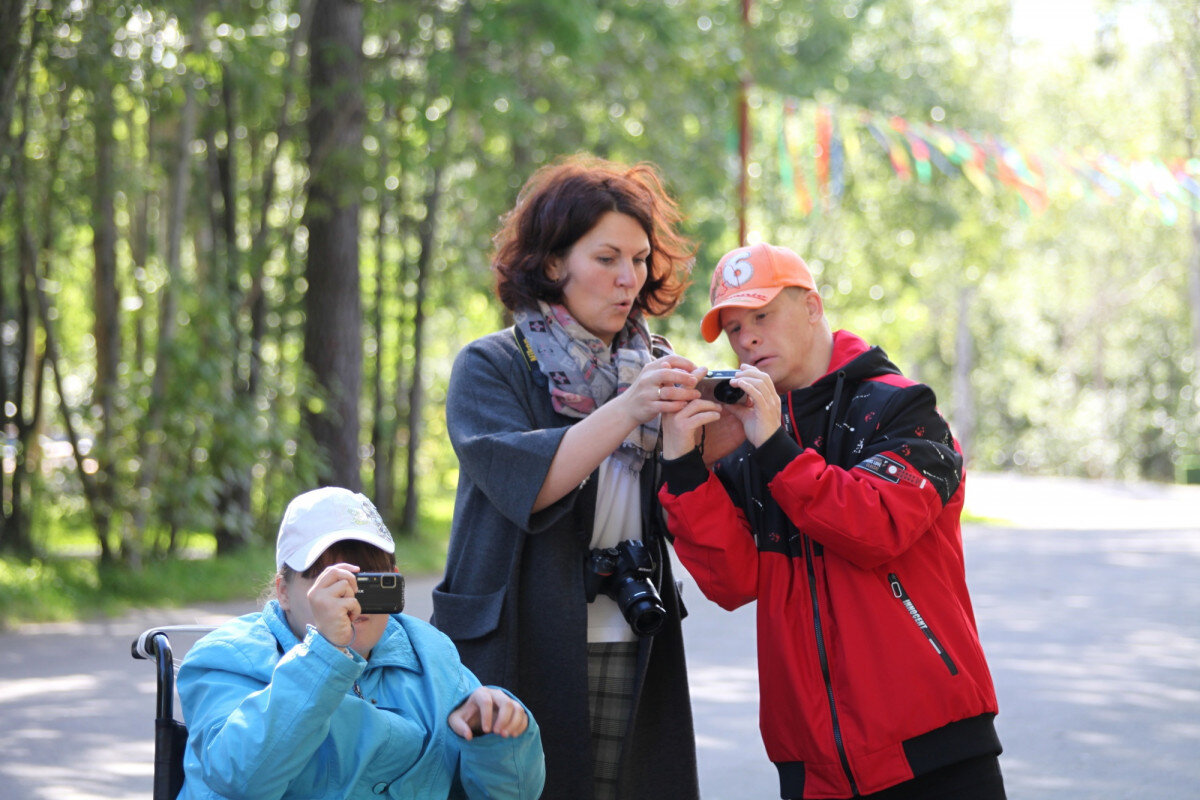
<point x="170" y="734"/>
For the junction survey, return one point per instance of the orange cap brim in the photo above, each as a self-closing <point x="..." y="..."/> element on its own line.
<point x="710" y="325"/>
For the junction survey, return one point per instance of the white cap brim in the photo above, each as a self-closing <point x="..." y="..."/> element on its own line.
<point x="305" y="557"/>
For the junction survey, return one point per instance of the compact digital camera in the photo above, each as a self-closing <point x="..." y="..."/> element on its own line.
<point x="715" y="386"/>
<point x="380" y="592"/>
<point x="625" y="574"/>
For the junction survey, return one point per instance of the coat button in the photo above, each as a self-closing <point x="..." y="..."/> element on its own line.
<point x="380" y="788"/>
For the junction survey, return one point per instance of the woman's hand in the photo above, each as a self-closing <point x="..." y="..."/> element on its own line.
<point x="488" y="710"/>
<point x="760" y="414"/>
<point x="332" y="598"/>
<point x="663" y="386"/>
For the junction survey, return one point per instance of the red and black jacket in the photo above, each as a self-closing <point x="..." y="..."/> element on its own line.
<point x="844" y="526"/>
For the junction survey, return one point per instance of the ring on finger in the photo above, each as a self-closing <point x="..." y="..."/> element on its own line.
<point x="660" y="393"/>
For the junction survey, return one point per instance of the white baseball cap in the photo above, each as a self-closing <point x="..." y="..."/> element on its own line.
<point x="315" y="520"/>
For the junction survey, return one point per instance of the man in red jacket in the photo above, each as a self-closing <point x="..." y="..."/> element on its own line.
<point x="836" y="506"/>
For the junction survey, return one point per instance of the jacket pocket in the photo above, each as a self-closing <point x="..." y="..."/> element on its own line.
<point x="900" y="594"/>
<point x="467" y="616"/>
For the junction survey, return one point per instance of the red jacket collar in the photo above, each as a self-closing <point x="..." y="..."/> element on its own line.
<point x="846" y="348"/>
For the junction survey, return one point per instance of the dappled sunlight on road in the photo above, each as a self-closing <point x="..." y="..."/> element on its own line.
<point x="1095" y="648"/>
<point x="39" y="688"/>
<point x="1077" y="504"/>
<point x="77" y="711"/>
<point x="724" y="684"/>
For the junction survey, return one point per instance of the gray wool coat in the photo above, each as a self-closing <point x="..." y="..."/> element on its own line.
<point x="512" y="598"/>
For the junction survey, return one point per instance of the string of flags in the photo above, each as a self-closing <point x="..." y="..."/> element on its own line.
<point x="816" y="172"/>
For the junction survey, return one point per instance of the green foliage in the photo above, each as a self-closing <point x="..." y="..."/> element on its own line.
<point x="58" y="588"/>
<point x="62" y="587"/>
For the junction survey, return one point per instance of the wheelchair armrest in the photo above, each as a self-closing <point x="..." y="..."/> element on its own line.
<point x="143" y="646"/>
<point x="154" y="643"/>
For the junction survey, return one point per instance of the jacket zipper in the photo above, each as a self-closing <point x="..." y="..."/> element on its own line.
<point x="789" y="421"/>
<point x="824" y="658"/>
<point x="901" y="595"/>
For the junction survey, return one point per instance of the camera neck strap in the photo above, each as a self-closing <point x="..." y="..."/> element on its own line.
<point x="539" y="378"/>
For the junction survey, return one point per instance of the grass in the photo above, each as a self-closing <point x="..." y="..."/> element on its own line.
<point x="68" y="587"/>
<point x="977" y="519"/>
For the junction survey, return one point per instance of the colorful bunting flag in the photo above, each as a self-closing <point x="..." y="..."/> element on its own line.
<point x="824" y="126"/>
<point x="986" y="161"/>
<point x="788" y="154"/>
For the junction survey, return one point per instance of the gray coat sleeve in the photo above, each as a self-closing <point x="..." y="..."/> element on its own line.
<point x="504" y="430"/>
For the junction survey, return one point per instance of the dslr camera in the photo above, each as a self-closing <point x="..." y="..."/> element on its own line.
<point x="715" y="386"/>
<point x="625" y="574"/>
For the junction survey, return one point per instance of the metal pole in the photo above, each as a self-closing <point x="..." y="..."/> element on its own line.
<point x="743" y="131"/>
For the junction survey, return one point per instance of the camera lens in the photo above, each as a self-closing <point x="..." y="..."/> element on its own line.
<point x="725" y="392"/>
<point x="388" y="581"/>
<point x="649" y="620"/>
<point x="640" y="604"/>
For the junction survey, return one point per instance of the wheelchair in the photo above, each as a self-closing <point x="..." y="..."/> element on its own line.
<point x="170" y="734"/>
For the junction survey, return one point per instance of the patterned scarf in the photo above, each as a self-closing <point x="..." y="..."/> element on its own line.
<point x="584" y="373"/>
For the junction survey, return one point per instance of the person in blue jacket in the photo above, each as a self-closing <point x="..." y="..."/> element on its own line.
<point x="312" y="698"/>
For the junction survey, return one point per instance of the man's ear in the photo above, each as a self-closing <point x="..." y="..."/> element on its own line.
<point x="815" y="305"/>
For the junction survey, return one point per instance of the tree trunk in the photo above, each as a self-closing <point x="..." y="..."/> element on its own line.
<point x="15" y="535"/>
<point x="233" y="526"/>
<point x="400" y="396"/>
<point x="333" y="305"/>
<point x="151" y="446"/>
<point x="106" y="298"/>
<point x="383" y="426"/>
<point x="24" y="394"/>
<point x="12" y="52"/>
<point x="19" y="421"/>
<point x="139" y="236"/>
<point x="427" y="235"/>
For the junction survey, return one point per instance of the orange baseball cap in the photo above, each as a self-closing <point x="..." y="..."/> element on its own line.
<point x="751" y="277"/>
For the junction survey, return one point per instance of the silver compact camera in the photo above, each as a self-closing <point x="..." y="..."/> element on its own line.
<point x="715" y="386"/>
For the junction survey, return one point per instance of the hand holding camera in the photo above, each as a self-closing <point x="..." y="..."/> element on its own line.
<point x="760" y="411"/>
<point x="725" y="415"/>
<point x="332" y="605"/>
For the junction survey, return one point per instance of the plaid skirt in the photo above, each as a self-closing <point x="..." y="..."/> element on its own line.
<point x="611" y="668"/>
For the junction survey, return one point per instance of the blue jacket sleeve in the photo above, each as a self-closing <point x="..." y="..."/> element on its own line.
<point x="504" y="769"/>
<point x="251" y="731"/>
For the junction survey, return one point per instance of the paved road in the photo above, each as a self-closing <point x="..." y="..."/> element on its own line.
<point x="1088" y="601"/>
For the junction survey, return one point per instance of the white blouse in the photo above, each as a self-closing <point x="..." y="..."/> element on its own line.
<point x="618" y="517"/>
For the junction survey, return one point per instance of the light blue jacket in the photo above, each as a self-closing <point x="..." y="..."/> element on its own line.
<point x="271" y="716"/>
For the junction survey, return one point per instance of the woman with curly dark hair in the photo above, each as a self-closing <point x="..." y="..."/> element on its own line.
<point x="558" y="584"/>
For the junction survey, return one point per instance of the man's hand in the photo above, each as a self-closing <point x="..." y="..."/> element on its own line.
<point x="488" y="710"/>
<point x="760" y="416"/>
